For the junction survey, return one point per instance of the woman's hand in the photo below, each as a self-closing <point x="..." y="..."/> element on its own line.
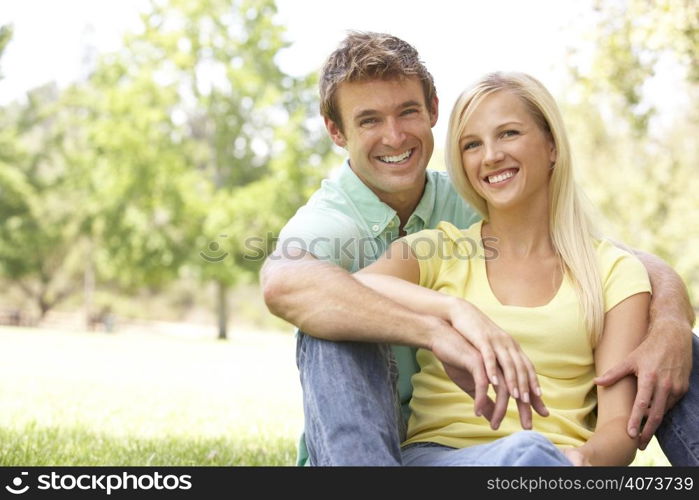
<point x="500" y="352"/>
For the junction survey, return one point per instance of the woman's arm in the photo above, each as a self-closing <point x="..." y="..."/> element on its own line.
<point x="625" y="325"/>
<point x="664" y="359"/>
<point x="396" y="275"/>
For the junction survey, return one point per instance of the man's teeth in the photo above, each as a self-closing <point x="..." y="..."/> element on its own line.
<point x="395" y="159"/>
<point x="492" y="179"/>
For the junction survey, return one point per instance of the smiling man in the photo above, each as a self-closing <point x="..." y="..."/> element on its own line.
<point x="380" y="104"/>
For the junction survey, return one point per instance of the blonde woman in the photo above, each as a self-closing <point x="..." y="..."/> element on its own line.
<point x="574" y="304"/>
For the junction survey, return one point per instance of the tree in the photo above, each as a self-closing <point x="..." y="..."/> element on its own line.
<point x="638" y="159"/>
<point x="39" y="244"/>
<point x="197" y="143"/>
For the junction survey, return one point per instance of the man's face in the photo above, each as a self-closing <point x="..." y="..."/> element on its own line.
<point x="387" y="131"/>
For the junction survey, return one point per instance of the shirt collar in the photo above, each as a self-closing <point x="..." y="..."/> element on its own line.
<point x="372" y="208"/>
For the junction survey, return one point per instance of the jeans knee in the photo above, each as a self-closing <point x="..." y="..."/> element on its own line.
<point x="530" y="439"/>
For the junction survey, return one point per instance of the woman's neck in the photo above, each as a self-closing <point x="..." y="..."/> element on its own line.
<point x="520" y="232"/>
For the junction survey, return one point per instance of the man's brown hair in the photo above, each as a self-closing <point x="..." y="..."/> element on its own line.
<point x="369" y="56"/>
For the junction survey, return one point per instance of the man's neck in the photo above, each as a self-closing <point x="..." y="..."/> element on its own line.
<point x="404" y="203"/>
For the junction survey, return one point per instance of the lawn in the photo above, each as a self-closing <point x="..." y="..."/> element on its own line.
<point x="146" y="399"/>
<point x="153" y="399"/>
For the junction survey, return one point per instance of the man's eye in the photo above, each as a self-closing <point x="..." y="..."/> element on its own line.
<point x="409" y="111"/>
<point x="367" y="121"/>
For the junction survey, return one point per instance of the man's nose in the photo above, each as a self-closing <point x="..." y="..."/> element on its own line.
<point x="393" y="134"/>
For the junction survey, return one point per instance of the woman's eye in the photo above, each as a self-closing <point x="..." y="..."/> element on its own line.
<point x="510" y="133"/>
<point x="470" y="145"/>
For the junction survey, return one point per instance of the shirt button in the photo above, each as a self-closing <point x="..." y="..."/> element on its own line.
<point x="375" y="228"/>
<point x="392" y="223"/>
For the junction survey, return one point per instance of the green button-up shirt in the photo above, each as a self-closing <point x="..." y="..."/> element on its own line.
<point x="346" y="223"/>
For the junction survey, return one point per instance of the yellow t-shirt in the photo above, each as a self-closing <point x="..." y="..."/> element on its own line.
<point x="553" y="336"/>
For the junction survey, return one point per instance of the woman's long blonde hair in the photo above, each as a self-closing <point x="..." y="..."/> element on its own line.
<point x="571" y="228"/>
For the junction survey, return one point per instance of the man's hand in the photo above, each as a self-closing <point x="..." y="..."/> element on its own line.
<point x="662" y="364"/>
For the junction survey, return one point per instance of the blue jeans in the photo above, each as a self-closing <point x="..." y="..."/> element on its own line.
<point x="524" y="448"/>
<point x="352" y="413"/>
<point x="678" y="434"/>
<point x="351" y="409"/>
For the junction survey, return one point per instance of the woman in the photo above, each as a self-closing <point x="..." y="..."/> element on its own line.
<point x="572" y="304"/>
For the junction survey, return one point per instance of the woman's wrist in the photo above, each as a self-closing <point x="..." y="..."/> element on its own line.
<point x="454" y="307"/>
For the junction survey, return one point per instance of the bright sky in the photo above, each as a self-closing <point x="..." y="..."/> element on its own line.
<point x="458" y="40"/>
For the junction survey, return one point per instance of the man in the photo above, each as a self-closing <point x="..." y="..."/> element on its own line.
<point x="379" y="103"/>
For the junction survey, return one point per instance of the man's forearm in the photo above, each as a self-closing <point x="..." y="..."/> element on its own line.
<point x="325" y="301"/>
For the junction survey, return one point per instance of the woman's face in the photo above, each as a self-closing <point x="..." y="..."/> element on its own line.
<point x="506" y="156"/>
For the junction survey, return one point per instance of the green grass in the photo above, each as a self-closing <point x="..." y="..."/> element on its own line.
<point x="135" y="399"/>
<point x="37" y="445"/>
<point x="139" y="399"/>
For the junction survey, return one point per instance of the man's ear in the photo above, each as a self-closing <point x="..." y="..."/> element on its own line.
<point x="434" y="111"/>
<point x="334" y="132"/>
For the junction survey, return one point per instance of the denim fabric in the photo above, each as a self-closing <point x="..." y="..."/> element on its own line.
<point x="678" y="434"/>
<point x="352" y="417"/>
<point x="524" y="448"/>
<point x="351" y="409"/>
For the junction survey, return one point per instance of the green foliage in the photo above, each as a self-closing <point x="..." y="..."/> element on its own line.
<point x="190" y="131"/>
<point x="188" y="122"/>
<point x="5" y="37"/>
<point x="39" y="231"/>
<point x="638" y="161"/>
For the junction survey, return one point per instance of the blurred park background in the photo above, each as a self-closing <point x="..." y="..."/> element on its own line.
<point x="142" y="186"/>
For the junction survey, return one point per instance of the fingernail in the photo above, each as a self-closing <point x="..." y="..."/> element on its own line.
<point x="495" y="380"/>
<point x="526" y="397"/>
<point x="633" y="431"/>
<point x="538" y="391"/>
<point x="516" y="393"/>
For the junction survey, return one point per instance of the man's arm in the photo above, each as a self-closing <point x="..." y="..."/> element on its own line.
<point x="663" y="361"/>
<point x="327" y="302"/>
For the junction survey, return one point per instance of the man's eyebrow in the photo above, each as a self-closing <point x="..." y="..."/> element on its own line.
<point x="371" y="112"/>
<point x="411" y="104"/>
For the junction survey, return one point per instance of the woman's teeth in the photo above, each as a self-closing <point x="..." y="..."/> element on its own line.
<point x="492" y="179"/>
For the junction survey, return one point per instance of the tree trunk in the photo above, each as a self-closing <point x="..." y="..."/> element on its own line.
<point x="222" y="311"/>
<point x="89" y="288"/>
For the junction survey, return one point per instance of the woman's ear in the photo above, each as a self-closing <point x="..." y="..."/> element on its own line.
<point x="553" y="153"/>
